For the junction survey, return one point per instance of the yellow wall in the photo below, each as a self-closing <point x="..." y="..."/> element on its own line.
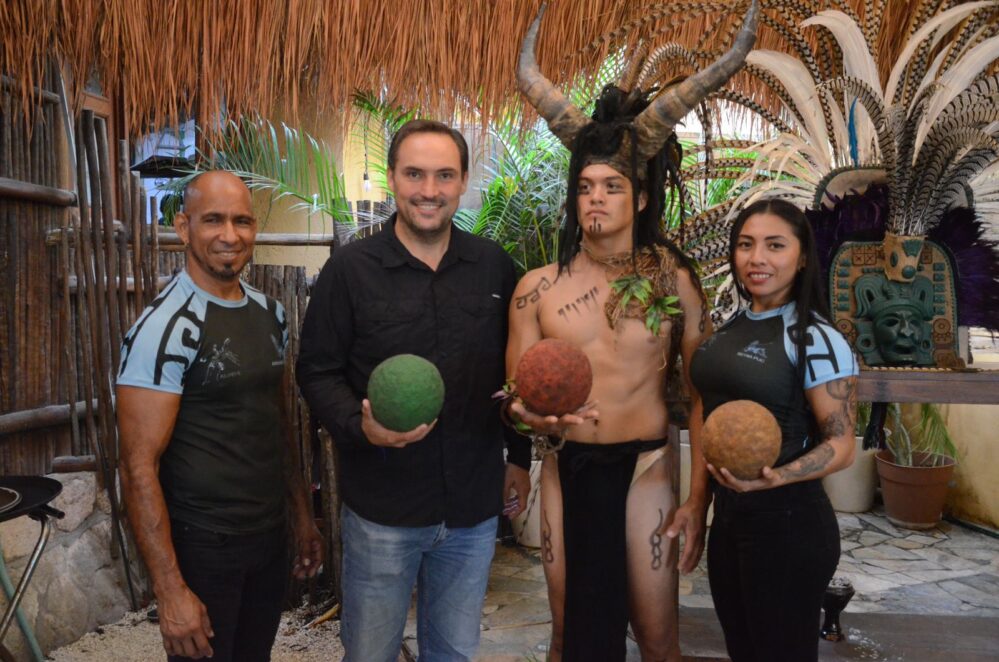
<point x="975" y="497"/>
<point x="279" y="215"/>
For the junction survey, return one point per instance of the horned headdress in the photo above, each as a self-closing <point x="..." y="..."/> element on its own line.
<point x="648" y="129"/>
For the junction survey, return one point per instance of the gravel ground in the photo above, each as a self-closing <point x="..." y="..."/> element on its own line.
<point x="135" y="639"/>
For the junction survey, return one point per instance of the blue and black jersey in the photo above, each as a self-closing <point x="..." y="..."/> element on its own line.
<point x="222" y="469"/>
<point x="753" y="357"/>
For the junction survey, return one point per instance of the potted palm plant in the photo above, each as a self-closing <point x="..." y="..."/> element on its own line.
<point x="916" y="467"/>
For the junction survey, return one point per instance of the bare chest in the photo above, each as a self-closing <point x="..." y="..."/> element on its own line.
<point x="575" y="309"/>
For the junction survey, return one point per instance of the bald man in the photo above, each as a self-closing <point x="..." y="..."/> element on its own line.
<point x="208" y="470"/>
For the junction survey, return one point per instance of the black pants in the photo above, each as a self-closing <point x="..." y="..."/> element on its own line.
<point x="241" y="579"/>
<point x="771" y="555"/>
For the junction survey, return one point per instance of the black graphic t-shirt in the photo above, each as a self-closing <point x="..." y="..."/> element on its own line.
<point x="753" y="357"/>
<point x="223" y="467"/>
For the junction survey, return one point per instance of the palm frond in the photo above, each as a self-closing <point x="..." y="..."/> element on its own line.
<point x="290" y="164"/>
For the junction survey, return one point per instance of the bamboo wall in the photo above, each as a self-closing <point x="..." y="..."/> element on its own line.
<point x="77" y="267"/>
<point x="34" y="369"/>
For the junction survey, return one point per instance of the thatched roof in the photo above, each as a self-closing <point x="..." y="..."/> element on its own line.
<point x="167" y="57"/>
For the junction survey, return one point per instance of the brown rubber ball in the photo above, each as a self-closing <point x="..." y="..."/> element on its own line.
<point x="554" y="378"/>
<point x="741" y="436"/>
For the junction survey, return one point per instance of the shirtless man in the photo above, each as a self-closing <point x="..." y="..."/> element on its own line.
<point x="607" y="502"/>
<point x="629" y="376"/>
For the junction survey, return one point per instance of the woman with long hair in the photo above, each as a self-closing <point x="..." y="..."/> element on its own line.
<point x="774" y="541"/>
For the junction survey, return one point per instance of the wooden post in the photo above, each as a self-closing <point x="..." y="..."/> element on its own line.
<point x="116" y="312"/>
<point x="331" y="508"/>
<point x="84" y="297"/>
<point x="15" y="189"/>
<point x="138" y="220"/>
<point x="69" y="338"/>
<point x="40" y="418"/>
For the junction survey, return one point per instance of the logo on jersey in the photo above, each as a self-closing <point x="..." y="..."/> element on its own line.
<point x="754" y="351"/>
<point x="222" y="363"/>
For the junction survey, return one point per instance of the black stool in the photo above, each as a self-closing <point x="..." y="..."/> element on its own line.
<point x="19" y="496"/>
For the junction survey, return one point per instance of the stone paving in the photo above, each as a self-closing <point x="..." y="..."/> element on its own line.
<point x="949" y="570"/>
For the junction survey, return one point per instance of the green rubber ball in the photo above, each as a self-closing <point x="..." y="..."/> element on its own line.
<point x="405" y="390"/>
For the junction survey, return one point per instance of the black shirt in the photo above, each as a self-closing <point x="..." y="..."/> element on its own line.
<point x="374" y="300"/>
<point x="223" y="467"/>
<point x="753" y="357"/>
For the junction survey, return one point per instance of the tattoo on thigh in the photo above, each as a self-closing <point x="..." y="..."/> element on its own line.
<point x="656" y="540"/>
<point x="547" y="554"/>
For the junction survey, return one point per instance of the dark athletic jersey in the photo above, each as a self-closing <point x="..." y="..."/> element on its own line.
<point x="753" y="357"/>
<point x="223" y="467"/>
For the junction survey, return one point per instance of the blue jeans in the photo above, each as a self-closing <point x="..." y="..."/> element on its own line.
<point x="450" y="567"/>
<point x="241" y="579"/>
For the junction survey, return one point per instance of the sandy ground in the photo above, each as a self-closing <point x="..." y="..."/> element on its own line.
<point x="135" y="639"/>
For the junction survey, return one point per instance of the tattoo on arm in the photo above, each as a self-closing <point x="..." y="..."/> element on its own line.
<point x="814" y="461"/>
<point x="842" y="421"/>
<point x="532" y="297"/>
<point x="842" y="389"/>
<point x="835" y="425"/>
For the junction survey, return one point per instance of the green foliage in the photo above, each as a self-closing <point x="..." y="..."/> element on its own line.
<point x="632" y="287"/>
<point x="640" y="288"/>
<point x="522" y="201"/>
<point x="524" y="195"/>
<point x="289" y="163"/>
<point x="928" y="435"/>
<point x="377" y="122"/>
<point x="660" y="309"/>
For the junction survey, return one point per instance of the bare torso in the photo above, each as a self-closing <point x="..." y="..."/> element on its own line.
<point x="629" y="363"/>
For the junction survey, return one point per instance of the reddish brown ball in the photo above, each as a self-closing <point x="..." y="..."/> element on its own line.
<point x="554" y="378"/>
<point x="741" y="436"/>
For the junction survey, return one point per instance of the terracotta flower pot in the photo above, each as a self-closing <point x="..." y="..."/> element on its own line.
<point x="914" y="496"/>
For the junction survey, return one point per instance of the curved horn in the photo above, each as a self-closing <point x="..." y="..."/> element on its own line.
<point x="564" y="119"/>
<point x="657" y="121"/>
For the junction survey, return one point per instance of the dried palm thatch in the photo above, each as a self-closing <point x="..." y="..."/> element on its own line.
<point x="170" y="58"/>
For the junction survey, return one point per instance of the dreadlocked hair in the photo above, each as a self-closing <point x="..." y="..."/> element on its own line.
<point x="613" y="114"/>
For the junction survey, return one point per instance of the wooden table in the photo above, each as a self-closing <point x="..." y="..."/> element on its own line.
<point x="938" y="386"/>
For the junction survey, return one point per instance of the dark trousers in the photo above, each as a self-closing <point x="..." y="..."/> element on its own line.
<point x="771" y="555"/>
<point x="241" y="579"/>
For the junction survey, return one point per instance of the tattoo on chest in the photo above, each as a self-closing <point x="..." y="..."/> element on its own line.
<point x="533" y="295"/>
<point x="585" y="302"/>
<point x="656" y="541"/>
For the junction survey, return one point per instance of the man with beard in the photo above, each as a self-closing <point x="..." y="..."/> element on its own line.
<point x="208" y="468"/>
<point x="420" y="507"/>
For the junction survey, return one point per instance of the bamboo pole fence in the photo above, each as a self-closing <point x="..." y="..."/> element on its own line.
<point x="78" y="265"/>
